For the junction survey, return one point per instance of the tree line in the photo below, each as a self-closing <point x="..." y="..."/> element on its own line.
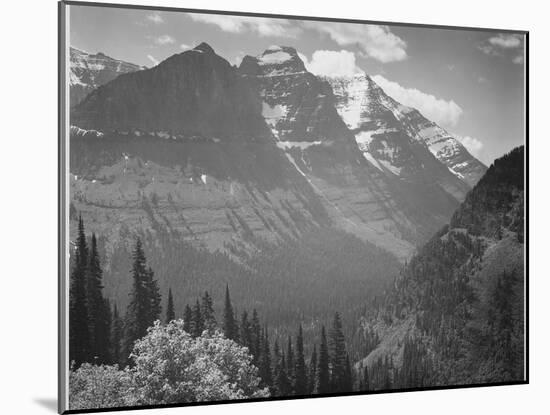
<point x="100" y="334"/>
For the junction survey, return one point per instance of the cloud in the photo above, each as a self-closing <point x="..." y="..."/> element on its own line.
<point x="374" y="41"/>
<point x="473" y="145"/>
<point x="444" y="113"/>
<point x="502" y="45"/>
<point x="518" y="59"/>
<point x="238" y="58"/>
<point x="153" y="59"/>
<point x="155" y="18"/>
<point x="164" y="40"/>
<point x="505" y="41"/>
<point x="241" y="24"/>
<point x="185" y="46"/>
<point x="331" y="63"/>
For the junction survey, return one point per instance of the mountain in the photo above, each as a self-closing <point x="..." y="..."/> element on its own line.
<point x="247" y="176"/>
<point x="383" y="129"/>
<point x="89" y="71"/>
<point x="181" y="155"/>
<point x="397" y="193"/>
<point x="456" y="314"/>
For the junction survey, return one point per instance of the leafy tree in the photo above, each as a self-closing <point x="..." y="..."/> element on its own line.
<point x="170" y="366"/>
<point x="323" y="375"/>
<point x="300" y="374"/>
<point x="229" y="325"/>
<point x="170" y="314"/>
<point x="92" y="386"/>
<point x="79" y="331"/>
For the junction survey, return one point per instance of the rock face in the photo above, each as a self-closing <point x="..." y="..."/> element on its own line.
<point x="396" y="194"/>
<point x="268" y="149"/>
<point x="191" y="93"/>
<point x="377" y="120"/>
<point x="395" y="137"/>
<point x="89" y="71"/>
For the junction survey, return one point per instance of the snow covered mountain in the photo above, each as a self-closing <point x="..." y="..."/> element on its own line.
<point x="88" y="71"/>
<point x="376" y="119"/>
<point x="394" y="193"/>
<point x="267" y="149"/>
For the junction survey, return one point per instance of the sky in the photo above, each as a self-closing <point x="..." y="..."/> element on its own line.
<point x="470" y="82"/>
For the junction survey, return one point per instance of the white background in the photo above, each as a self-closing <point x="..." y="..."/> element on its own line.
<point x="28" y="177"/>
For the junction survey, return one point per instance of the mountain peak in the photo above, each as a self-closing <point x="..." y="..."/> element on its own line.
<point x="274" y="61"/>
<point x="204" y="47"/>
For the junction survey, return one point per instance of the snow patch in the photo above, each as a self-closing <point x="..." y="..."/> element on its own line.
<point x="275" y="58"/>
<point x="285" y="145"/>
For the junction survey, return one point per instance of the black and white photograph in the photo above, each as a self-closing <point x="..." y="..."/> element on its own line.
<point x="260" y="207"/>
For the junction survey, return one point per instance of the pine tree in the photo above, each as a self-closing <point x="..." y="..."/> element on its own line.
<point x="282" y="383"/>
<point x="337" y="355"/>
<point x="265" y="360"/>
<point x="229" y="325"/>
<point x="170" y="314"/>
<point x="323" y="375"/>
<point x="188" y="319"/>
<point x="197" y="326"/>
<point x="207" y="310"/>
<point x="290" y="364"/>
<point x="300" y="374"/>
<point x="255" y="337"/>
<point x="155" y="299"/>
<point x="312" y="369"/>
<point x="347" y="384"/>
<point x="245" y="336"/>
<point x="117" y="328"/>
<point x="144" y="307"/>
<point x="79" y="331"/>
<point x="98" y="309"/>
<point x="366" y="380"/>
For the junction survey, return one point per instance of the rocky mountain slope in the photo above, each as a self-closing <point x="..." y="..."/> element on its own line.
<point x="215" y="166"/>
<point x="394" y="192"/>
<point x="384" y="129"/>
<point x="89" y="71"/>
<point x="459" y="303"/>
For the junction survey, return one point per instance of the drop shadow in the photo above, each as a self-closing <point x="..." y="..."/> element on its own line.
<point x="48" y="403"/>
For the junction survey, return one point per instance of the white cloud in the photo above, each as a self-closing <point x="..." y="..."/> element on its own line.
<point x="473" y="145"/>
<point x="184" y="46"/>
<point x="505" y="41"/>
<point x="444" y="113"/>
<point x="164" y="40"/>
<point x="238" y="58"/>
<point x="331" y="63"/>
<point x="375" y="41"/>
<point x="239" y="24"/>
<point x="500" y="44"/>
<point x="153" y="59"/>
<point x="518" y="59"/>
<point x="155" y="18"/>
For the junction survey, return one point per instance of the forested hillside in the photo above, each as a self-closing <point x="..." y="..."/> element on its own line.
<point x="456" y="313"/>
